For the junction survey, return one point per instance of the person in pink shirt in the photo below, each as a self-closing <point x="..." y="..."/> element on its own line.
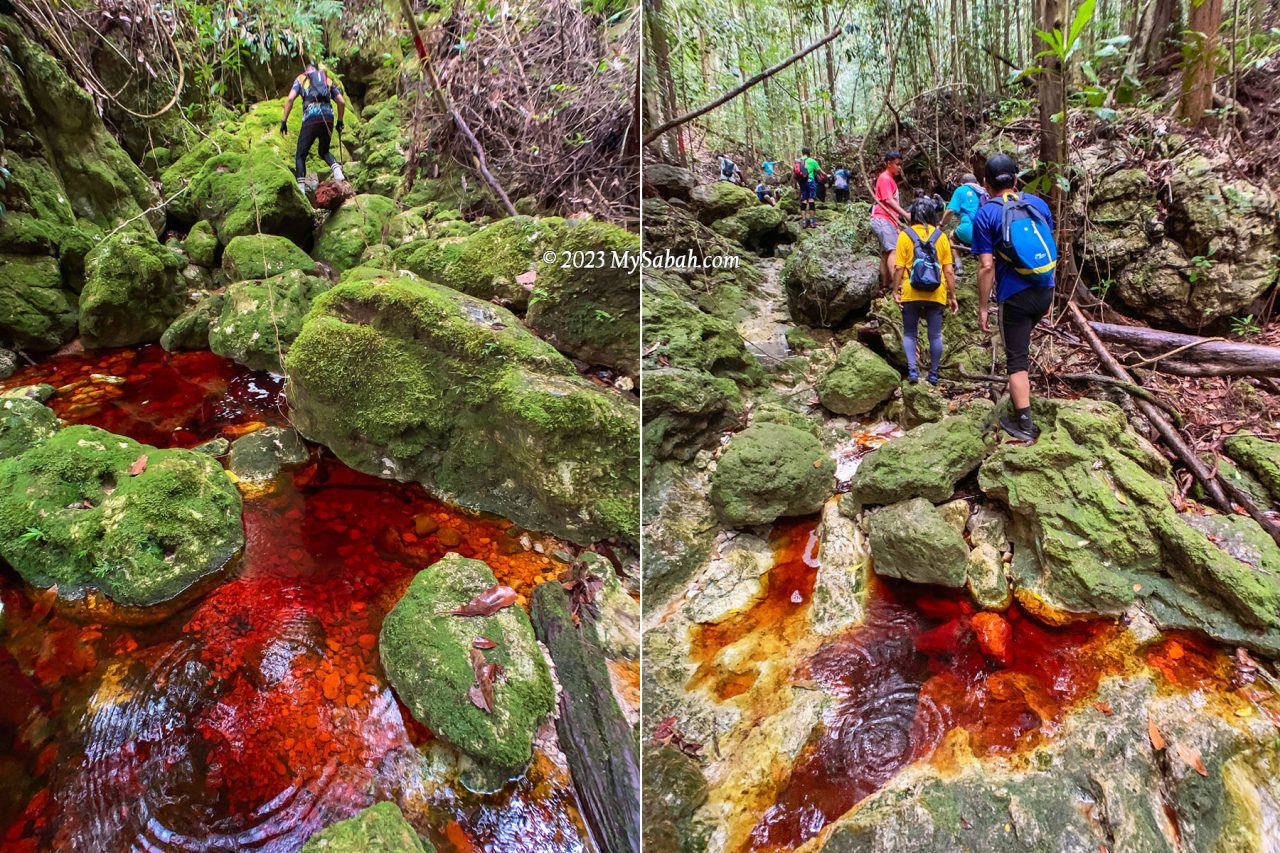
<point x="887" y="216"/>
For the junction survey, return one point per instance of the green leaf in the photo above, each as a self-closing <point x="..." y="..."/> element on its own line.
<point x="1105" y="113"/>
<point x="1083" y="16"/>
<point x="1063" y="183"/>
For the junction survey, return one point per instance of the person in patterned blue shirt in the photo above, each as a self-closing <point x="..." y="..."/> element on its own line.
<point x="319" y="93"/>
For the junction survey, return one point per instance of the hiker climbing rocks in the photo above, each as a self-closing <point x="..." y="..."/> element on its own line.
<point x="764" y="193"/>
<point x="727" y="168"/>
<point x="318" y="94"/>
<point x="840" y="183"/>
<point x="964" y="204"/>
<point x="924" y="281"/>
<point x="1013" y="239"/>
<point x="887" y="216"/>
<point x="807" y="174"/>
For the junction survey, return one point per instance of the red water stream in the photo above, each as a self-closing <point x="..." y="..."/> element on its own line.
<point x="260" y="713"/>
<point x="923" y="663"/>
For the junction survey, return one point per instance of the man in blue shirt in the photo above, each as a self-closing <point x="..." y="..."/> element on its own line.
<point x="1023" y="301"/>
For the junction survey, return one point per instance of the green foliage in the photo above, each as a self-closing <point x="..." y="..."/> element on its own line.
<point x="1246" y="326"/>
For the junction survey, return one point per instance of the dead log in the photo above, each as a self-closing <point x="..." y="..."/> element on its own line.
<point x="1221" y="491"/>
<point x="594" y="734"/>
<point x="738" y="90"/>
<point x="1191" y="355"/>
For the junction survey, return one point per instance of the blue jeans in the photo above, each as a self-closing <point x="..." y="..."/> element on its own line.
<point x="932" y="314"/>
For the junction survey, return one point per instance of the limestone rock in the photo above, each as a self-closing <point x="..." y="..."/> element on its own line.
<point x="926" y="461"/>
<point x="768" y="471"/>
<point x="912" y="541"/>
<point x="858" y="381"/>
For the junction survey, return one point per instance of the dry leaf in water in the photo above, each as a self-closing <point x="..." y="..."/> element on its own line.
<point x="487" y="603"/>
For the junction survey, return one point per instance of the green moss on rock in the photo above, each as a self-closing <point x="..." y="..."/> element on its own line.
<point x="24" y="423"/>
<point x="685" y="410"/>
<point x="858" y="382"/>
<point x="352" y="228"/>
<point x="72" y="517"/>
<point x="263" y="454"/>
<point x="486" y="263"/>
<point x="191" y="330"/>
<point x="262" y="256"/>
<point x="1258" y="457"/>
<point x="36" y="312"/>
<point x="925" y="462"/>
<point x="426" y="653"/>
<point x="591" y="312"/>
<point x="131" y="291"/>
<point x="408" y="379"/>
<point x="768" y="471"/>
<point x="680" y="333"/>
<point x="259" y="320"/>
<point x="201" y="244"/>
<point x="381" y="828"/>
<point x="911" y="540"/>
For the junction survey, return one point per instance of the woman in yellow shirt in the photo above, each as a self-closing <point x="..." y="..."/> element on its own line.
<point x="926" y="213"/>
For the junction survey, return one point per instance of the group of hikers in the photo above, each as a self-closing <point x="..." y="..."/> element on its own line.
<point x="1010" y="233"/>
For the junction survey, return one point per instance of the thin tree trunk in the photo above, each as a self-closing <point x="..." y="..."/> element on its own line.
<point x="656" y="29"/>
<point x="1199" y="71"/>
<point x="832" y="124"/>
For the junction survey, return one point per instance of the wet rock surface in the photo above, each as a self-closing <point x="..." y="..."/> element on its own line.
<point x="426" y="651"/>
<point x="380" y="828"/>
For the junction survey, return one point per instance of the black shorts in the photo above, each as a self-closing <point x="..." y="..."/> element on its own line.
<point x="1018" y="316"/>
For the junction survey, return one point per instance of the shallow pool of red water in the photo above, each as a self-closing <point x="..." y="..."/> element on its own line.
<point x="260" y="713"/>
<point x="924" y="663"/>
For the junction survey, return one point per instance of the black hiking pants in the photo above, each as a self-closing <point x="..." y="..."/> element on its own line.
<point x="312" y="132"/>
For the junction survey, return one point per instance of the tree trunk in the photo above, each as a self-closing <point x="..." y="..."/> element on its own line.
<point x="1052" y="126"/>
<point x="1195" y="356"/>
<point x="1200" y="67"/>
<point x="832" y="124"/>
<point x="594" y="734"/>
<point x="656" y="29"/>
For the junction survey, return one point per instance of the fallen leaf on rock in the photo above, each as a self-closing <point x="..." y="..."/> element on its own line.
<point x="483" y="643"/>
<point x="1157" y="739"/>
<point x="1192" y="757"/>
<point x="80" y="504"/>
<point x="1104" y="707"/>
<point x="487" y="603"/>
<point x="526" y="279"/>
<point x="477" y="697"/>
<point x="139" y="465"/>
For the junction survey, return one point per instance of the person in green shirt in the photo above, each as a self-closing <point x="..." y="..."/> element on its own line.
<point x="808" y="189"/>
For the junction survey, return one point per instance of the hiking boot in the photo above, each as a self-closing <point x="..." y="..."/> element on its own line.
<point x="913" y="377"/>
<point x="933" y="379"/>
<point x="1020" y="427"/>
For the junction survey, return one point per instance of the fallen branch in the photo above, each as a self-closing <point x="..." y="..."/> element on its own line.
<point x="446" y="106"/>
<point x="1190" y="355"/>
<point x="1222" y="492"/>
<point x="1128" y="387"/>
<point x="735" y="92"/>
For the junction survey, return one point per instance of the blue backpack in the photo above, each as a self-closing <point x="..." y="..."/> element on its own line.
<point x="926" y="272"/>
<point x="1026" y="240"/>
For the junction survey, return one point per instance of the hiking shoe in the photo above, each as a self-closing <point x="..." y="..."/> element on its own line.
<point x="933" y="379"/>
<point x="913" y="377"/>
<point x="1020" y="428"/>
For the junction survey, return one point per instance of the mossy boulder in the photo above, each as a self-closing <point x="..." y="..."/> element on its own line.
<point x="1258" y="457"/>
<point x="592" y="312"/>
<point x="720" y="199"/>
<point x="426" y="653"/>
<point x="408" y="379"/>
<point x="771" y="470"/>
<point x="191" y="330"/>
<point x="757" y="228"/>
<point x="240" y="178"/>
<point x="912" y="540"/>
<point x="132" y="291"/>
<point x="352" y="228"/>
<point x="926" y="462"/>
<point x="259" y="320"/>
<point x="37" y="312"/>
<point x="74" y="516"/>
<point x="833" y="273"/>
<point x="859" y="381"/>
<point x="381" y="828"/>
<point x="686" y="409"/>
<point x="921" y="403"/>
<point x="669" y="181"/>
<point x="680" y="334"/>
<point x="201" y="245"/>
<point x="378" y="144"/>
<point x="1094" y="532"/>
<point x="486" y="263"/>
<point x="674" y="788"/>
<point x="24" y="423"/>
<point x="263" y="454"/>
<point x="262" y="256"/>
